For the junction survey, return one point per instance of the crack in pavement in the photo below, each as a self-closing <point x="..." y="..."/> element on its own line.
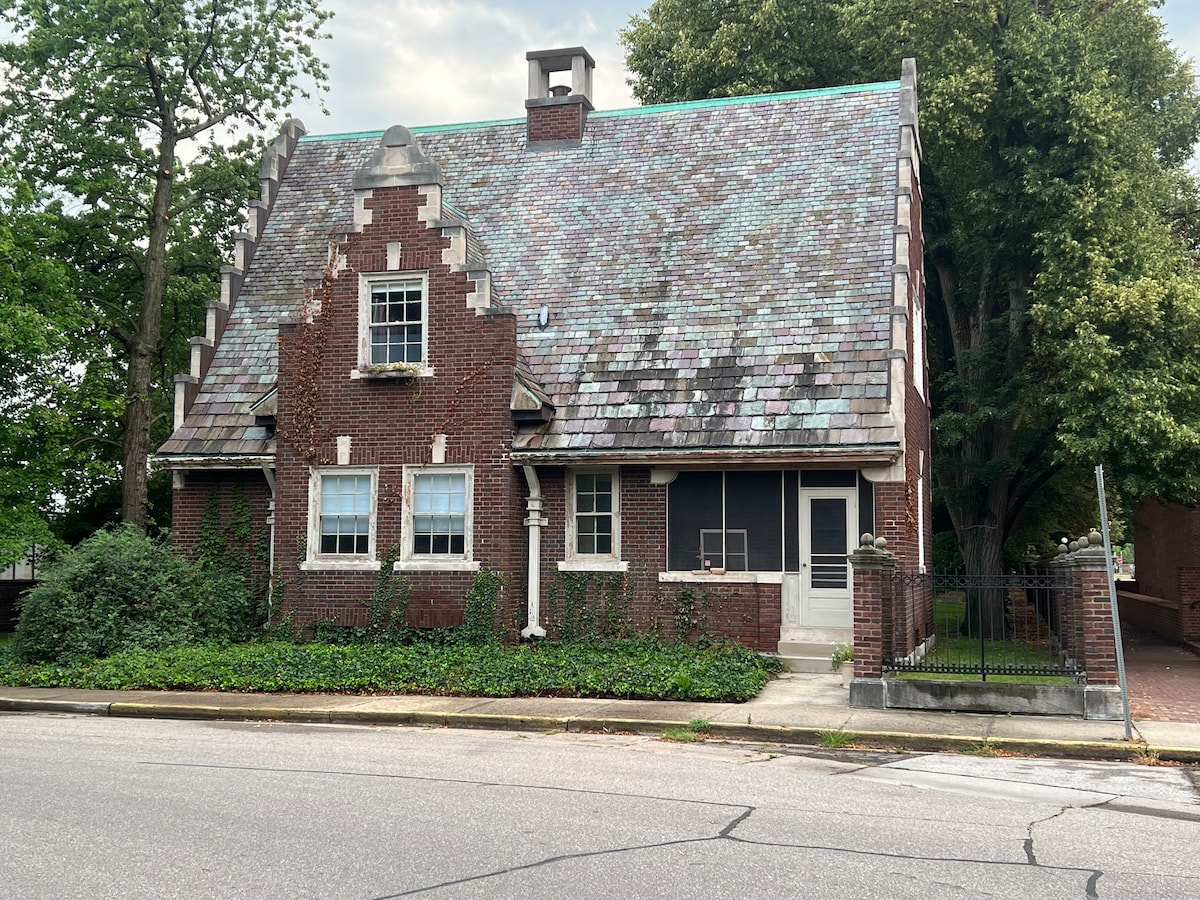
<point x="725" y="834"/>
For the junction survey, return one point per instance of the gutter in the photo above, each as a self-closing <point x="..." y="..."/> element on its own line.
<point x="870" y="455"/>
<point x="212" y="462"/>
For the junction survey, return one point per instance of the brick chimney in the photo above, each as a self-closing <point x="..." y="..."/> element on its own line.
<point x="556" y="114"/>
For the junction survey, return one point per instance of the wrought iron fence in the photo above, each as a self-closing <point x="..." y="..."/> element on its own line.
<point x="1015" y="625"/>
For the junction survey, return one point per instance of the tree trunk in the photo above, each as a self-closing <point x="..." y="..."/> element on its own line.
<point x="139" y="392"/>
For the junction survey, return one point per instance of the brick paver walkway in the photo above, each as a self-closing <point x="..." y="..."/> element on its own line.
<point x="1163" y="679"/>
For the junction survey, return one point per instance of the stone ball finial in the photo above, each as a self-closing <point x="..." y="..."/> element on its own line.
<point x="880" y="543"/>
<point x="1062" y="548"/>
<point x="1095" y="537"/>
<point x="1084" y="543"/>
<point x="1073" y="546"/>
<point x="866" y="540"/>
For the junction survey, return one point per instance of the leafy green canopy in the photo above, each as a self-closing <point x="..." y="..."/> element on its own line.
<point x="129" y="115"/>
<point x="1062" y="306"/>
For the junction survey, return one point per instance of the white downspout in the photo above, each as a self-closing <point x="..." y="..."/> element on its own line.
<point x="533" y="505"/>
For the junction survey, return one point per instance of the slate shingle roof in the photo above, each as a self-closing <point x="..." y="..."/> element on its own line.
<point x="718" y="274"/>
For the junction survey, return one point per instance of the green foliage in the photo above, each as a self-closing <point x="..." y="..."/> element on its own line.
<point x="103" y="100"/>
<point x="836" y="739"/>
<point x="116" y="591"/>
<point x="387" y="614"/>
<point x="690" y="621"/>
<point x="696" y="49"/>
<point x="480" y="607"/>
<point x="695" y="730"/>
<point x="633" y="669"/>
<point x="842" y="653"/>
<point x="591" y="606"/>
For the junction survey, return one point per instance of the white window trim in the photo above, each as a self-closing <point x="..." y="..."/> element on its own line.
<point x="574" y="561"/>
<point x="412" y="562"/>
<point x="365" y="282"/>
<point x="339" y="562"/>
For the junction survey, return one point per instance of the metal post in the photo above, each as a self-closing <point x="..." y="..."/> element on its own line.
<point x="1112" y="600"/>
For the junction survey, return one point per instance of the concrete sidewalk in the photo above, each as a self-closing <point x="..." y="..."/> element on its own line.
<point x="793" y="709"/>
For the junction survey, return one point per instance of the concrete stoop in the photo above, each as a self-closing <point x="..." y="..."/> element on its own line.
<point x="810" y="650"/>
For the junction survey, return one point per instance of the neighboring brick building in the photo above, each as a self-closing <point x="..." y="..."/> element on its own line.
<point x="642" y="346"/>
<point x="1165" y="596"/>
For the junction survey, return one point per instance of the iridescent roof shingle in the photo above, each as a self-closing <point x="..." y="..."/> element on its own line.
<point x="718" y="274"/>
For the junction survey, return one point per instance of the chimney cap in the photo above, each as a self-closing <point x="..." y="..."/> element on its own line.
<point x="559" y="60"/>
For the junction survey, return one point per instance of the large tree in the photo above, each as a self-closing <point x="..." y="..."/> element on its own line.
<point x="1064" y="313"/>
<point x="131" y="110"/>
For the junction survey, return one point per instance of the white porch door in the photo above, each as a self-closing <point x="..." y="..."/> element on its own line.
<point x="828" y="519"/>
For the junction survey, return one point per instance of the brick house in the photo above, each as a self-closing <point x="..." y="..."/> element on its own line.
<point x="678" y="347"/>
<point x="1165" y="596"/>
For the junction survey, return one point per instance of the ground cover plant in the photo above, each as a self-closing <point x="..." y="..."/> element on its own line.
<point x="643" y="668"/>
<point x="121" y="612"/>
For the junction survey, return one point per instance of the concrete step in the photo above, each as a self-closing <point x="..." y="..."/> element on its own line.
<point x="806" y="648"/>
<point x="829" y="635"/>
<point x="808" y="664"/>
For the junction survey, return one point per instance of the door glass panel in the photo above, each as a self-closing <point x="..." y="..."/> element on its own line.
<point x="827" y="537"/>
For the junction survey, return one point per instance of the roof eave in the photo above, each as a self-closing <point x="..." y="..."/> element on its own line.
<point x="859" y="456"/>
<point x="170" y="462"/>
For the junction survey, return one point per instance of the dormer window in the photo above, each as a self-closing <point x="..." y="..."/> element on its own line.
<point x="393" y="320"/>
<point x="393" y="326"/>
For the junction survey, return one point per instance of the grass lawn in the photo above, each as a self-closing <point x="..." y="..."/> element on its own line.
<point x="953" y="649"/>
<point x="634" y="669"/>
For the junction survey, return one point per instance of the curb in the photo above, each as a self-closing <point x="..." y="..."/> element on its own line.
<point x="1121" y="751"/>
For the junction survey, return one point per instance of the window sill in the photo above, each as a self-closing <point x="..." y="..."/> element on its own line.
<point x="396" y="375"/>
<point x="435" y="565"/>
<point x="727" y="578"/>
<point x="593" y="565"/>
<point x="340" y="565"/>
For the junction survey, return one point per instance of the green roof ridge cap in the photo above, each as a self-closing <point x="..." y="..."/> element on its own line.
<point x="746" y="98"/>
<point x="629" y="110"/>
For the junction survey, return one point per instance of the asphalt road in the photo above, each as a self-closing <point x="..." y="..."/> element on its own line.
<point x="102" y="807"/>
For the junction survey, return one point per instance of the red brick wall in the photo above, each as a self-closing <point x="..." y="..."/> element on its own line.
<point x="1166" y="541"/>
<point x="748" y="613"/>
<point x="392" y="422"/>
<point x="558" y="122"/>
<point x="189" y="501"/>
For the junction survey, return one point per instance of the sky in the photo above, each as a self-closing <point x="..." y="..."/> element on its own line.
<point x="433" y="62"/>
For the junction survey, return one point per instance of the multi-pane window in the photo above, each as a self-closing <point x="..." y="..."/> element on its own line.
<point x="397" y="329"/>
<point x="594" y="514"/>
<point x="345" y="519"/>
<point x="439" y="522"/>
<point x="723" y="549"/>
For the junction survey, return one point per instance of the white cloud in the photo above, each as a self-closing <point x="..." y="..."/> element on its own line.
<point x="425" y="62"/>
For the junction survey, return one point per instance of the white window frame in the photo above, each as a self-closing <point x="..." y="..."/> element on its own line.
<point x="573" y="560"/>
<point x="366" y="282"/>
<point x="346" y="562"/>
<point x="410" y="561"/>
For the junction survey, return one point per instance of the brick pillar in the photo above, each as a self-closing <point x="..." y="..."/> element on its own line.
<point x="1189" y="603"/>
<point x="1097" y="649"/>
<point x="873" y="615"/>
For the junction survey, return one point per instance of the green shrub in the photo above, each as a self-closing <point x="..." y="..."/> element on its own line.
<point x="120" y="590"/>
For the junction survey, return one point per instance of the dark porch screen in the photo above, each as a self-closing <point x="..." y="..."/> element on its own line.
<point x="693" y="504"/>
<point x="747" y="507"/>
<point x="754" y="502"/>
